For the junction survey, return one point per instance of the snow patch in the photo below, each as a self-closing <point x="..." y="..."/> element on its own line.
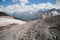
<point x="5" y="20"/>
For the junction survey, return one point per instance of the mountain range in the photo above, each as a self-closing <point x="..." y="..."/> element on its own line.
<point x="35" y="15"/>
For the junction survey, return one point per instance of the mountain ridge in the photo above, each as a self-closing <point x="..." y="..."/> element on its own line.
<point x="36" y="15"/>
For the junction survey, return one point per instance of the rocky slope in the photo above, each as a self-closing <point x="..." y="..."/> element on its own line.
<point x="47" y="29"/>
<point x="4" y="15"/>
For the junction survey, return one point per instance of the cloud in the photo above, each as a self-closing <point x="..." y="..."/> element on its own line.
<point x="58" y="2"/>
<point x="24" y="1"/>
<point x="1" y="8"/>
<point x="3" y="0"/>
<point x="14" y="0"/>
<point x="26" y="8"/>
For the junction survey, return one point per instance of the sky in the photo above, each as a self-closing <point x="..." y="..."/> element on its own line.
<point x="12" y="6"/>
<point x="11" y="2"/>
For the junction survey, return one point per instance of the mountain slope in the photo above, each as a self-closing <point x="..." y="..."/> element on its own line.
<point x="47" y="29"/>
